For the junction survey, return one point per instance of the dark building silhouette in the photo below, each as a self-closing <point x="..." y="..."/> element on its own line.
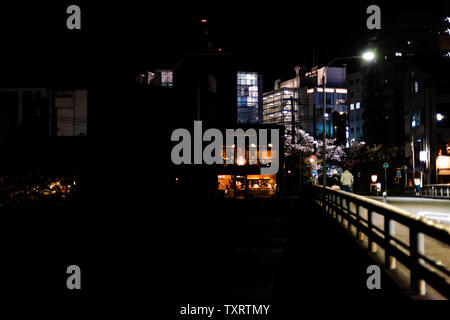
<point x="426" y="121"/>
<point x="408" y="37"/>
<point x="205" y="89"/>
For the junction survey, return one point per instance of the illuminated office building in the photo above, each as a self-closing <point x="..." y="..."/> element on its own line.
<point x="277" y="105"/>
<point x="249" y="97"/>
<point x="355" y="107"/>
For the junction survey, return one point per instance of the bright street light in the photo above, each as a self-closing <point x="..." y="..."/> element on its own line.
<point x="439" y="117"/>
<point x="368" y="56"/>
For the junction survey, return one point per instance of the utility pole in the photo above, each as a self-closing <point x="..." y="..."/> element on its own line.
<point x="324" y="128"/>
<point x="292" y="100"/>
<point x="296" y="95"/>
<point x="385" y="179"/>
<point x="413" y="159"/>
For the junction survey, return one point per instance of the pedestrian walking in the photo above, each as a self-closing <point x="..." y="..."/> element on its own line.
<point x="417" y="185"/>
<point x="347" y="181"/>
<point x="335" y="182"/>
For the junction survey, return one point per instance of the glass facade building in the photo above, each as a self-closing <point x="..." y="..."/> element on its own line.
<point x="312" y="111"/>
<point x="277" y="108"/>
<point x="249" y="97"/>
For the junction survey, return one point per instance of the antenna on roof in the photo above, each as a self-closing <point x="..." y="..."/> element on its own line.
<point x="206" y="33"/>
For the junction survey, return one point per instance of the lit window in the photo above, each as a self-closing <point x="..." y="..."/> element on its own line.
<point x="167" y="78"/>
<point x="416" y="86"/>
<point x="358" y="105"/>
<point x="415" y="120"/>
<point x="352" y="106"/>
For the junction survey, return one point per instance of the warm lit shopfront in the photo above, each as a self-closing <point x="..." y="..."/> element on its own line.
<point x="443" y="169"/>
<point x="247" y="186"/>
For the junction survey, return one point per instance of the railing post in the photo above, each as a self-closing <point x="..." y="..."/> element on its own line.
<point x="389" y="230"/>
<point x="339" y="212"/>
<point x="416" y="247"/>
<point x="349" y="213"/>
<point x="371" y="222"/>
<point x="359" y="233"/>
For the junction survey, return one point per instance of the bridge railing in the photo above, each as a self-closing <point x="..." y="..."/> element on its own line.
<point x="374" y="225"/>
<point x="436" y="190"/>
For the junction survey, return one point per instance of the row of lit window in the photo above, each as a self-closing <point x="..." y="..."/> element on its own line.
<point x="286" y="91"/>
<point x="355" y="106"/>
<point x="244" y="93"/>
<point x="328" y="90"/>
<point x="247" y="75"/>
<point x="247" y="78"/>
<point x="166" y="78"/>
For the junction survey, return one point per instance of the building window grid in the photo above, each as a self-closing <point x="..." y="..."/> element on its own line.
<point x="167" y="78"/>
<point x="247" y="96"/>
<point x="277" y="108"/>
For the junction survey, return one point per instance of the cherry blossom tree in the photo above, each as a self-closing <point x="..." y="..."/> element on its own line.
<point x="305" y="146"/>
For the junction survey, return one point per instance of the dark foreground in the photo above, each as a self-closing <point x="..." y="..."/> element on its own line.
<point x="154" y="259"/>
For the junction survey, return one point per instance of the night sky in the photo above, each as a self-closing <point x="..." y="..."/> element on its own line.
<point x="134" y="36"/>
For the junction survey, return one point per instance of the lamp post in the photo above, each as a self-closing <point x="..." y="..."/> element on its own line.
<point x="368" y="56"/>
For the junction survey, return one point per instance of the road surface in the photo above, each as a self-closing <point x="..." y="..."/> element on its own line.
<point x="435" y="209"/>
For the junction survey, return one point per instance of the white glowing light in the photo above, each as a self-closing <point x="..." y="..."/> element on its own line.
<point x="368" y="56"/>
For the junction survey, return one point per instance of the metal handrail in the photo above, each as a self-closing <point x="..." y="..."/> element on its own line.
<point x="346" y="207"/>
<point x="436" y="190"/>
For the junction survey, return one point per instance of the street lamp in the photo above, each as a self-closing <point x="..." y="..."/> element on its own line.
<point x="367" y="56"/>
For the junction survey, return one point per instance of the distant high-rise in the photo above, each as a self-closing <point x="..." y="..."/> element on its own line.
<point x="355" y="107"/>
<point x="409" y="38"/>
<point x="311" y="101"/>
<point x="277" y="105"/>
